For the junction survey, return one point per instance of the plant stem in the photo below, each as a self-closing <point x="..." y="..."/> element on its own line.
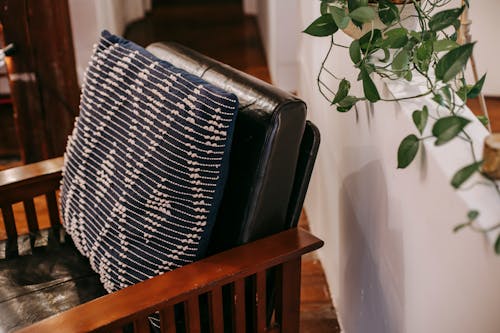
<point x="406" y="98"/>
<point x="318" y="78"/>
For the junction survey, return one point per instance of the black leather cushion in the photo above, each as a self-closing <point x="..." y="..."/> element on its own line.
<point x="269" y="128"/>
<point x="49" y="281"/>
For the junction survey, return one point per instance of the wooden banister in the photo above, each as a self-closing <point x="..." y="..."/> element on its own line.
<point x="132" y="304"/>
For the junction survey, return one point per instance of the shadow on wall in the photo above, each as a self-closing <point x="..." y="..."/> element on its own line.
<point x="372" y="295"/>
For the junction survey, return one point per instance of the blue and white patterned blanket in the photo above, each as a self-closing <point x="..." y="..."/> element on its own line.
<point x="145" y="165"/>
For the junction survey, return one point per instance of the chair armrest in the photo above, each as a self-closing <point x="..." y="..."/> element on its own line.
<point x="159" y="293"/>
<point x="25" y="182"/>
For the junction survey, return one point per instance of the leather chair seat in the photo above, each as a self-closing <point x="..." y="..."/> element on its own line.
<point x="51" y="280"/>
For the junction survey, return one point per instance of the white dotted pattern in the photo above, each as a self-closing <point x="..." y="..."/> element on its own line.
<point x="145" y="164"/>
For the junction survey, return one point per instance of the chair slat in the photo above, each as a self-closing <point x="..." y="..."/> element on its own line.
<point x="288" y="309"/>
<point x="51" y="199"/>
<point x="216" y="310"/>
<point x="141" y="325"/>
<point x="9" y="222"/>
<point x="260" y="301"/>
<point x="167" y="320"/>
<point x="192" y="308"/>
<point x="30" y="211"/>
<point x="239" y="316"/>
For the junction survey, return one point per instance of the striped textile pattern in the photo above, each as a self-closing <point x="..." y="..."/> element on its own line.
<point x="145" y="165"/>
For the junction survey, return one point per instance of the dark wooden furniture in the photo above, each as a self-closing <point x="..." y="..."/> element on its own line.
<point x="251" y="281"/>
<point x="42" y="74"/>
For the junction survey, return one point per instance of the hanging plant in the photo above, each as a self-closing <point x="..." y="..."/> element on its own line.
<point x="397" y="40"/>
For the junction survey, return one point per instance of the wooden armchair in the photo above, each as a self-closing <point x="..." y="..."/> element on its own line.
<point x="251" y="280"/>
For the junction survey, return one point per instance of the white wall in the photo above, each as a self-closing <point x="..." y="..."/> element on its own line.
<point x="392" y="262"/>
<point x="485" y="29"/>
<point x="280" y="34"/>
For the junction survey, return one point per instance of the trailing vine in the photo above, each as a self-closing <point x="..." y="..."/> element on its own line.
<point x="391" y="50"/>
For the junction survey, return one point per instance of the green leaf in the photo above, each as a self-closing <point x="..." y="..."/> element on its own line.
<point x="347" y="103"/>
<point x="408" y="75"/>
<point x="424" y="51"/>
<point x="387" y="55"/>
<point x="322" y="26"/>
<point x="445" y="18"/>
<point x="420" y="118"/>
<point x="446" y="93"/>
<point x="342" y="92"/>
<point x="428" y="36"/>
<point x="353" y="4"/>
<point x="456" y="25"/>
<point x="370" y="40"/>
<point x="388" y="12"/>
<point x="395" y="38"/>
<point x="453" y="62"/>
<point x="443" y="96"/>
<point x="401" y="61"/>
<point x="369" y="88"/>
<point x="444" y="45"/>
<point x="476" y="89"/>
<point x="407" y="150"/>
<point x="439" y="99"/>
<point x="462" y="92"/>
<point x="447" y="128"/>
<point x="423" y="56"/>
<point x="472" y="215"/>
<point x="340" y="17"/>
<point x="355" y="52"/>
<point x="465" y="173"/>
<point x="363" y="14"/>
<point x="324" y="7"/>
<point x="370" y="68"/>
<point x="483" y="119"/>
<point x="416" y="35"/>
